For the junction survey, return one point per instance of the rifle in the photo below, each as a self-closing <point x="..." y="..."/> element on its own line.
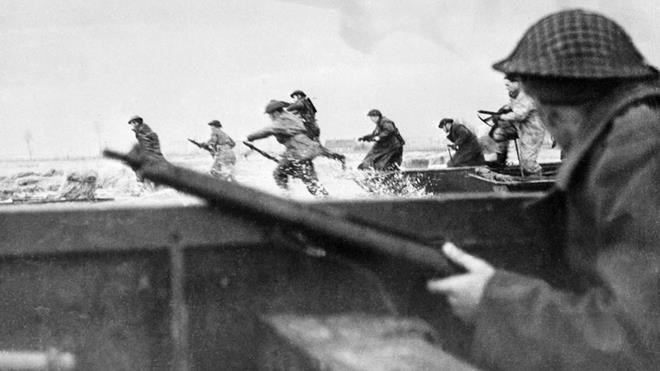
<point x="321" y="223"/>
<point x="451" y="158"/>
<point x="265" y="154"/>
<point x="201" y="145"/>
<point x="495" y="115"/>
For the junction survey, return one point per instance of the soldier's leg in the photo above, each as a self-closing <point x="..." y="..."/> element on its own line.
<point x="501" y="134"/>
<point x="216" y="169"/>
<point x="138" y="176"/>
<point x="395" y="160"/>
<point x="307" y="173"/>
<point x="281" y="173"/>
<point x="531" y="142"/>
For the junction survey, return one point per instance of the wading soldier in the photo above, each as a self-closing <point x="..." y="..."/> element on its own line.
<point x="296" y="161"/>
<point x="148" y="142"/>
<point x="221" y="147"/>
<point x="601" y="102"/>
<point x="387" y="151"/>
<point x="468" y="150"/>
<point x="305" y="109"/>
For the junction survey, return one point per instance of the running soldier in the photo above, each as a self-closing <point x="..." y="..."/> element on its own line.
<point x="296" y="161"/>
<point x="305" y="109"/>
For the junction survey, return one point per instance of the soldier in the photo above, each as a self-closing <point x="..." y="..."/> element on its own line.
<point x="522" y="115"/>
<point x="387" y="151"/>
<point x="601" y="101"/>
<point x="220" y="146"/>
<point x="466" y="144"/>
<point x="148" y="142"/>
<point x="305" y="109"/>
<point x="296" y="161"/>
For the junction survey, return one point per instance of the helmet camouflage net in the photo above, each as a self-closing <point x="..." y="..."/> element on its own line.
<point x="576" y="44"/>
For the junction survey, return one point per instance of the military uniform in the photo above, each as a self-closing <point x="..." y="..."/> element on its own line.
<point x="387" y="151"/>
<point x="530" y="130"/>
<point x="296" y="161"/>
<point x="148" y="142"/>
<point x="305" y="109"/>
<point x="221" y="147"/>
<point x="605" y="205"/>
<point x="469" y="151"/>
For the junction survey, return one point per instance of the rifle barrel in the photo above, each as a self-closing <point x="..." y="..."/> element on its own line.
<point x="327" y="222"/>
<point x="492" y="113"/>
<point x="265" y="154"/>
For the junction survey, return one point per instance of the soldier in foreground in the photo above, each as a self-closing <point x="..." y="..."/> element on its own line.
<point x="601" y="102"/>
<point x="148" y="142"/>
<point x="220" y="146"/>
<point x="296" y="161"/>
<point x="305" y="109"/>
<point x="387" y="151"/>
<point x="468" y="150"/>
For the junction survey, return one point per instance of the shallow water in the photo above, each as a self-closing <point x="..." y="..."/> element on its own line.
<point x="117" y="181"/>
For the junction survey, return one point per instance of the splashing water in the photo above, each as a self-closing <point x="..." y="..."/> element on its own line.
<point x="391" y="183"/>
<point x="117" y="181"/>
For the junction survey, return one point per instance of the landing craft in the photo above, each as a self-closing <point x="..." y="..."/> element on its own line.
<point x="457" y="180"/>
<point x="252" y="281"/>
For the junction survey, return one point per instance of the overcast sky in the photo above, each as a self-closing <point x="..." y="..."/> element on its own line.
<point x="73" y="71"/>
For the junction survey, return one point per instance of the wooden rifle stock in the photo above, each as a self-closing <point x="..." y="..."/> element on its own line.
<point x="326" y="222"/>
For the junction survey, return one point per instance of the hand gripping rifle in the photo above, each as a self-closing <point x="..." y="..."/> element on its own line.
<point x="348" y="233"/>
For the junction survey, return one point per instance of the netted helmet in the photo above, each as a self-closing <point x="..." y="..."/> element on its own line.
<point x="576" y="44"/>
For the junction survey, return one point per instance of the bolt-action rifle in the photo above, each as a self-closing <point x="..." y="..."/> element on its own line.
<point x="337" y="229"/>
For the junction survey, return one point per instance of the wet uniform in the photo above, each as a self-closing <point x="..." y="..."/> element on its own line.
<point x="221" y="147"/>
<point x="387" y="151"/>
<point x="296" y="161"/>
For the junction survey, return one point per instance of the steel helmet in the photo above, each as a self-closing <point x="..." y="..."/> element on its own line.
<point x="374" y="112"/>
<point x="298" y="92"/>
<point x="576" y="44"/>
<point x="444" y="122"/>
<point x="137" y="119"/>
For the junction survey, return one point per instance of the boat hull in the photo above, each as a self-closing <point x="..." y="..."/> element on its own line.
<point x="185" y="287"/>
<point x="481" y="179"/>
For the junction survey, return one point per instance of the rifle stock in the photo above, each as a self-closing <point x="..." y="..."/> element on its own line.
<point x="325" y="222"/>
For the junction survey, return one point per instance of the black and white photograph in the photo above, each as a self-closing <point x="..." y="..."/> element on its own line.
<point x="329" y="185"/>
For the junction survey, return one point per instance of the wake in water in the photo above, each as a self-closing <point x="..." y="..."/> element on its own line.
<point x="116" y="181"/>
<point x="392" y="183"/>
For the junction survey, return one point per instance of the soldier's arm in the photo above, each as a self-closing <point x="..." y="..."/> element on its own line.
<point x="260" y="134"/>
